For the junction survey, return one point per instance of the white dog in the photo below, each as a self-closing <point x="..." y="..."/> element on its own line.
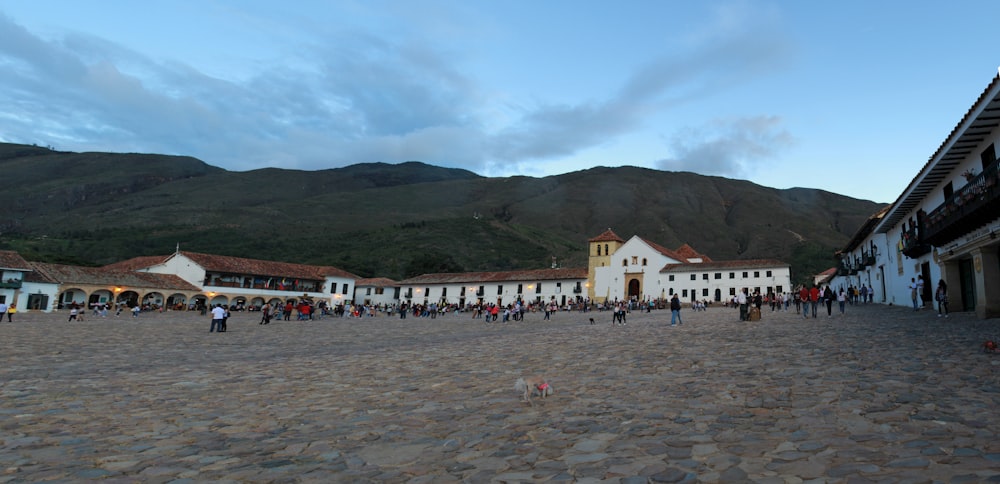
<point x="533" y="385"/>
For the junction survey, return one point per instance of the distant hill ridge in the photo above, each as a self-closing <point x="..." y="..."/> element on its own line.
<point x="385" y="220"/>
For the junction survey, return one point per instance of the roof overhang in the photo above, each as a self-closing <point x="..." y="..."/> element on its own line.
<point x="981" y="119"/>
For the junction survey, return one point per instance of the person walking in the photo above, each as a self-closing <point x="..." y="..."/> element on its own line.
<point x="3" y="310"/>
<point x="941" y="294"/>
<point x="675" y="311"/>
<point x="265" y="314"/>
<point x="828" y="298"/>
<point x="814" y="299"/>
<point x="11" y="311"/>
<point x="842" y="300"/>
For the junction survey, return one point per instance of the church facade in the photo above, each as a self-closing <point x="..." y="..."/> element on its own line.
<point x="640" y="270"/>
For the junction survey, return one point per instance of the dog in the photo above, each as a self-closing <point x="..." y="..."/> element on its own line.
<point x="533" y="385"/>
<point x="990" y="346"/>
<point x="592" y="321"/>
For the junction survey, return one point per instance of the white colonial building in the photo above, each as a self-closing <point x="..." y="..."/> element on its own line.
<point x="641" y="270"/>
<point x="501" y="288"/>
<point x="378" y="291"/>
<point x="943" y="227"/>
<point x="235" y="280"/>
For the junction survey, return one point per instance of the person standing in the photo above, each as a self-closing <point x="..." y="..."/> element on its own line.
<point x="920" y="291"/>
<point x="675" y="311"/>
<point x="913" y="293"/>
<point x="941" y="294"/>
<point x="218" y="314"/>
<point x="73" y="311"/>
<point x="842" y="300"/>
<point x="3" y="310"/>
<point x="803" y="301"/>
<point x="741" y="299"/>
<point x="828" y="298"/>
<point x="11" y="311"/>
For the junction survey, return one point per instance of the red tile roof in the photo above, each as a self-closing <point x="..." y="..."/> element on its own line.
<point x="13" y="261"/>
<point x="98" y="276"/>
<point x="607" y="236"/>
<point x="465" y="277"/>
<point x="376" y="282"/>
<point x="726" y="264"/>
<point x="239" y="265"/>
<point x="137" y="263"/>
<point x="688" y="252"/>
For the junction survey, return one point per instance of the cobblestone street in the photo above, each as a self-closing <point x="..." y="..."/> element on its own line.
<point x="881" y="394"/>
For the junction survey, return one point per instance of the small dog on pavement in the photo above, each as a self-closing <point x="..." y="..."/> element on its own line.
<point x="530" y="386"/>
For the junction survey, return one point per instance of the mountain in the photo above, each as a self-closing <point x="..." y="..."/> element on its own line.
<point x="377" y="219"/>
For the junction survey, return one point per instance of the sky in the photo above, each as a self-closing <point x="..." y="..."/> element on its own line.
<point x="852" y="97"/>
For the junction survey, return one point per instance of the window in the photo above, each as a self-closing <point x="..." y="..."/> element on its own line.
<point x="684" y="293"/>
<point x="368" y="291"/>
<point x="558" y="288"/>
<point x="624" y="262"/>
<point x="481" y="291"/>
<point x="718" y="275"/>
<point x="671" y="291"/>
<point x="768" y="273"/>
<point x="694" y="277"/>
<point x="343" y="289"/>
<point x="444" y="292"/>
<point x="462" y="292"/>
<point x="778" y="290"/>
<point x="409" y="292"/>
<point x="538" y="288"/>
<point x="520" y="288"/>
<point x="745" y="274"/>
<point x="671" y="278"/>
<point x="635" y="259"/>
<point x="732" y="291"/>
<point x="704" y="276"/>
<point x="989" y="155"/>
<point x="427" y="292"/>
<point x="756" y="273"/>
<point x="606" y="250"/>
<point x="643" y="261"/>
<point x="732" y="275"/>
<point x="949" y="190"/>
<point x="499" y="289"/>
<point x="380" y="291"/>
<point x="704" y="292"/>
<point x="598" y="249"/>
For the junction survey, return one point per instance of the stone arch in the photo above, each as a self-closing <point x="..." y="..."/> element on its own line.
<point x="70" y="296"/>
<point x="127" y="298"/>
<point x="154" y="300"/>
<point x="633" y="289"/>
<point x="177" y="301"/>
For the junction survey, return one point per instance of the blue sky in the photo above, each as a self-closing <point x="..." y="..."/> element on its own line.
<point x="851" y="97"/>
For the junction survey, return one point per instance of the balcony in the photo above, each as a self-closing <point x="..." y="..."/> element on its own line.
<point x="913" y="244"/>
<point x="971" y="206"/>
<point x="11" y="284"/>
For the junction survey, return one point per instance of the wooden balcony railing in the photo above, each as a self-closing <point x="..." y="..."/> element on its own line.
<point x="969" y="207"/>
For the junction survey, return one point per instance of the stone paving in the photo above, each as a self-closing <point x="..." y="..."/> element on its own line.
<point x="881" y="394"/>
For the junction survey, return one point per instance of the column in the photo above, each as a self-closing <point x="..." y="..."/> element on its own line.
<point x="986" y="267"/>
